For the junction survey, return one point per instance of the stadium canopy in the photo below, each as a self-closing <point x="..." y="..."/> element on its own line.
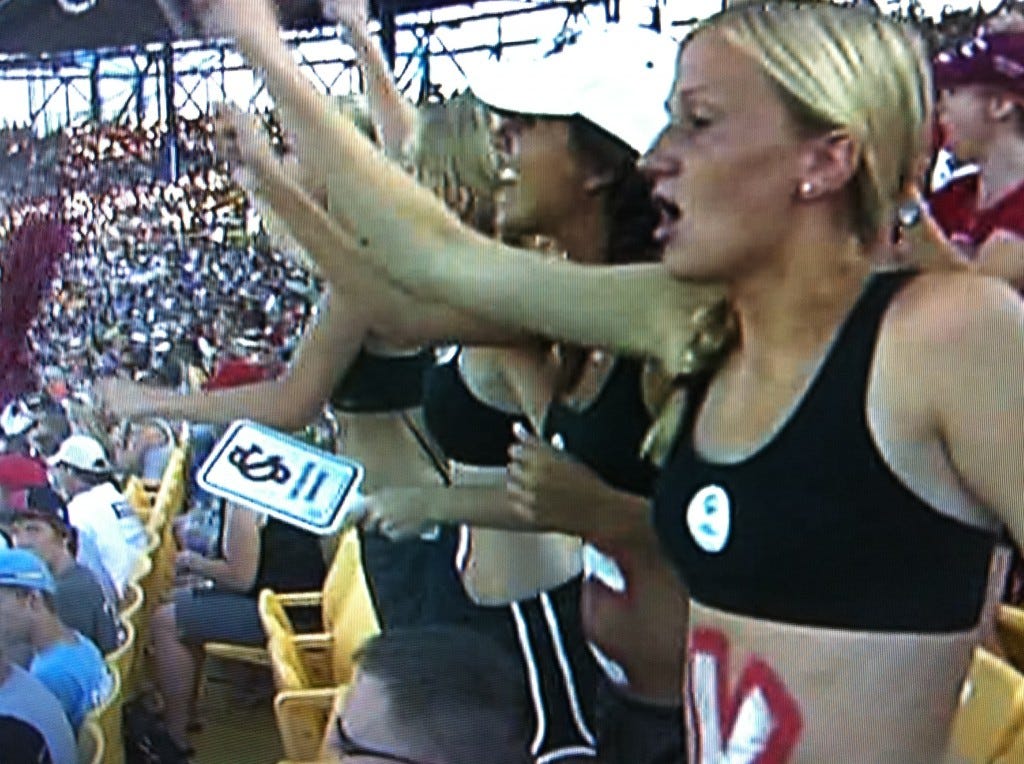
<point x="35" y="27"/>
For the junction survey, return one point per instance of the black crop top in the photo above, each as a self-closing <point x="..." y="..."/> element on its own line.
<point x="607" y="434"/>
<point x="377" y="384"/>
<point x="814" y="528"/>
<point x="467" y="429"/>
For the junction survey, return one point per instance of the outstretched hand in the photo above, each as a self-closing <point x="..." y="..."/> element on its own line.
<point x="550" y="489"/>
<point x="352" y="13"/>
<point x="236" y="18"/>
<point x="239" y="139"/>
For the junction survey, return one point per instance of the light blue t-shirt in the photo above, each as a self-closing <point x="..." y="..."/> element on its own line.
<point x="75" y="674"/>
<point x="24" y="697"/>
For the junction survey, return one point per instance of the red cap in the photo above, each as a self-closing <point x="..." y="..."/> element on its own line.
<point x="996" y="60"/>
<point x="18" y="472"/>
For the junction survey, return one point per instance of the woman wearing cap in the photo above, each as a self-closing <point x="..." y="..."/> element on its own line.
<point x="837" y="522"/>
<point x="576" y="183"/>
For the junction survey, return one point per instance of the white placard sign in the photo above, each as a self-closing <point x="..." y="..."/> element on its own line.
<point x="281" y="476"/>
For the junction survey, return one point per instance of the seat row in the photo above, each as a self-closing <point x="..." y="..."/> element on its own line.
<point x="100" y="739"/>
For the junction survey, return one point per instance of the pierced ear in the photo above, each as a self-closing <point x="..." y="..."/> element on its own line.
<point x="598" y="182"/>
<point x="831" y="161"/>
<point x="1001" y="108"/>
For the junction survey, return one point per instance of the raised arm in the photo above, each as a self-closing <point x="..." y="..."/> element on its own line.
<point x="404" y="230"/>
<point x="328" y="347"/>
<point x="394" y="117"/>
<point x="390" y="313"/>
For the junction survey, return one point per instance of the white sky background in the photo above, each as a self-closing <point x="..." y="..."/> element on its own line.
<point x="15" y="96"/>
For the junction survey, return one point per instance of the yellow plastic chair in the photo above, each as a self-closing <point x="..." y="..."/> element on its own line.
<point x="344" y="576"/>
<point x="990" y="714"/>
<point x="1010" y="629"/>
<point x="137" y="495"/>
<point x="107" y="717"/>
<point x="123" y="658"/>
<point x="301" y="708"/>
<point x="91" y="746"/>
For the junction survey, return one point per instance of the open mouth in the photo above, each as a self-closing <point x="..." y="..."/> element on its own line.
<point x="669" y="214"/>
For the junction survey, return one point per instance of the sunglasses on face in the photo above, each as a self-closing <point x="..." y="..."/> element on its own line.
<point x="350" y="747"/>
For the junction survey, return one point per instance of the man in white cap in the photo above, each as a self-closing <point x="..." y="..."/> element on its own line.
<point x="96" y="506"/>
<point x="68" y="664"/>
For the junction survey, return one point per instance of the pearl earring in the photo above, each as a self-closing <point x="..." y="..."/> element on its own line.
<point x="806" y="189"/>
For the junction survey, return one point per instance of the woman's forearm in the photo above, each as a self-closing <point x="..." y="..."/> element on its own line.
<point x="271" y="403"/>
<point x="405" y="231"/>
<point x="618" y="518"/>
<point x="475" y="505"/>
<point x="392" y="114"/>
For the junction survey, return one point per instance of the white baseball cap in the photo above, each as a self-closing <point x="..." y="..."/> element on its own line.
<point x="82" y="453"/>
<point x="617" y="77"/>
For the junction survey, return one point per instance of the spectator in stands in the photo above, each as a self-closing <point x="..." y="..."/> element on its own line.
<point x="441" y="694"/>
<point x="67" y="663"/>
<point x="41" y="526"/>
<point x="16" y="474"/>
<point x="255" y="554"/>
<point x="981" y="85"/>
<point x="33" y="726"/>
<point x="97" y="508"/>
<point x="147" y="449"/>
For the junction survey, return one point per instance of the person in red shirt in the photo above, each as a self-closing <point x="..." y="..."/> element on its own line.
<point x="981" y="114"/>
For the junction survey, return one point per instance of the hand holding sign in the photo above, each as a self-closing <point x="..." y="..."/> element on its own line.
<point x="283" y="477"/>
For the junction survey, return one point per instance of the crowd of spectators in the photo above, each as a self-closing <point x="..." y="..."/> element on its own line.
<point x="167" y="270"/>
<point x="154" y="263"/>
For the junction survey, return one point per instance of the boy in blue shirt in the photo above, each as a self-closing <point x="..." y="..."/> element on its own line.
<point x="68" y="664"/>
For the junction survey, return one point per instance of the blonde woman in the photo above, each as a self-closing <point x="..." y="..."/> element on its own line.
<point x="836" y="519"/>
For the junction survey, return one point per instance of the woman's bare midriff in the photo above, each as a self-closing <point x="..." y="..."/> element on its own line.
<point x="810" y="695"/>
<point x="388" y="450"/>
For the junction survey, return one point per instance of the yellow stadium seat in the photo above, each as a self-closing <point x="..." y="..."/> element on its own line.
<point x="302" y="716"/>
<point x="138" y="497"/>
<point x="990" y="714"/>
<point x="123" y="658"/>
<point x="1014" y="754"/>
<point x="1010" y="628"/>
<point x="309" y="669"/>
<point x="347" y="613"/>
<point x="256" y="656"/>
<point x="91" y="746"/>
<point x="108" y="718"/>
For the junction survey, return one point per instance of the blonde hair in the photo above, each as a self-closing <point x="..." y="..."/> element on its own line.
<point x="851" y="69"/>
<point x="454" y="154"/>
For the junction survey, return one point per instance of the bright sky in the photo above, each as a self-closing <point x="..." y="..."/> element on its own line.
<point x="15" y="96"/>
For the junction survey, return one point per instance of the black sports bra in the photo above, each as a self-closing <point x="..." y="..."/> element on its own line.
<point x="466" y="429"/>
<point x="814" y="528"/>
<point x="377" y="384"/>
<point x="607" y="434"/>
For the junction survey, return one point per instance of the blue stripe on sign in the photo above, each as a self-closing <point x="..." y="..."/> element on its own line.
<point x="303" y="476"/>
<point x="313" y="489"/>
